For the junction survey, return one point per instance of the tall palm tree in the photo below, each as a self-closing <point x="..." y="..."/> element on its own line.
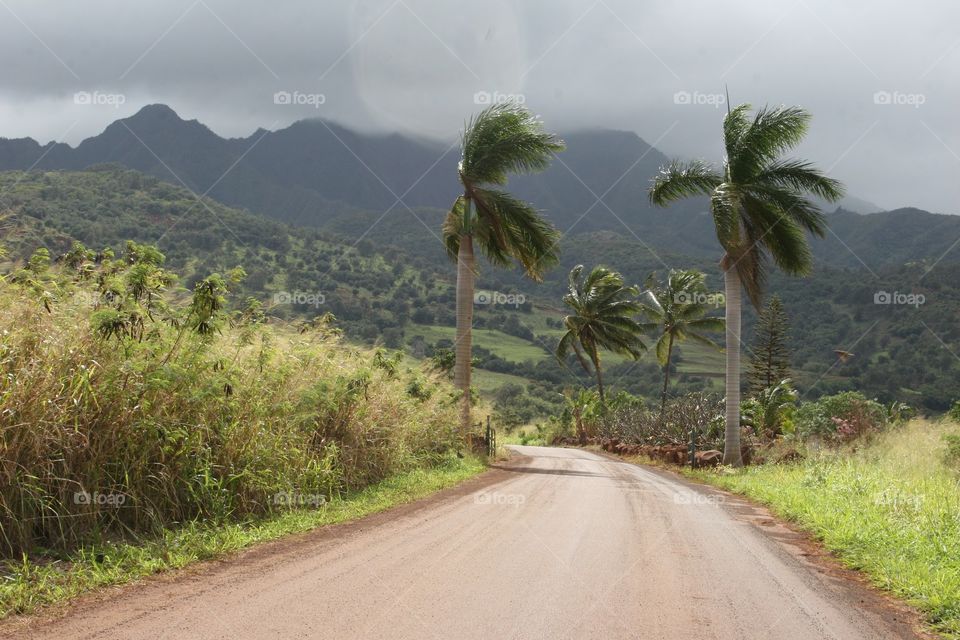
<point x="500" y="140"/>
<point x="676" y="312"/>
<point x="760" y="210"/>
<point x="603" y="318"/>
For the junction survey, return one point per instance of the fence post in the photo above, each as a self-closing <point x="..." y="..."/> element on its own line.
<point x="692" y="449"/>
<point x="490" y="442"/>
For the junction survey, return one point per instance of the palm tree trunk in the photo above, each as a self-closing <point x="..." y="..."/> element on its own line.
<point x="462" y="348"/>
<point x="666" y="378"/>
<point x="731" y="443"/>
<point x="596" y="366"/>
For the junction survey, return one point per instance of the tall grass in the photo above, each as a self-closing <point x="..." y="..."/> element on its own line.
<point x="891" y="509"/>
<point x="128" y="407"/>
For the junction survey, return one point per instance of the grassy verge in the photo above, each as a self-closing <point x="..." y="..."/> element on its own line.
<point x="26" y="586"/>
<point x="891" y="509"/>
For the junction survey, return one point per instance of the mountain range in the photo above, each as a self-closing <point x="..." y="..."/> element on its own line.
<point x="318" y="174"/>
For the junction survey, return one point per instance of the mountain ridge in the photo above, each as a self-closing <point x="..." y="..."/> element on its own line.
<point x="320" y="174"/>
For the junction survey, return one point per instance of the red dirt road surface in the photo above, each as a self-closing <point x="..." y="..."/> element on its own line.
<point x="560" y="543"/>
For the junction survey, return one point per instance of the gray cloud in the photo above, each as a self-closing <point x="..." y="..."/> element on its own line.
<point x="414" y="66"/>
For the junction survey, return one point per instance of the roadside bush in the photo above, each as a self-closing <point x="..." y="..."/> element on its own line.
<point x="952" y="455"/>
<point x="840" y="418"/>
<point x="629" y="420"/>
<point x="127" y="406"/>
<point x="954" y="413"/>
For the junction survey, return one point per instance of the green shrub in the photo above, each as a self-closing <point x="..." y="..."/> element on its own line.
<point x="954" y="413"/>
<point x="841" y="417"/>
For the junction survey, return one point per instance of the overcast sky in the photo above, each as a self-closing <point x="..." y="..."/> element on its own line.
<point x="417" y="66"/>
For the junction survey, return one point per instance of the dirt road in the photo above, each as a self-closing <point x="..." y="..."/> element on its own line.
<point x="566" y="544"/>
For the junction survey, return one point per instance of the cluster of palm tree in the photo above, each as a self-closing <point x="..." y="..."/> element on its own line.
<point x="760" y="207"/>
<point x="608" y="315"/>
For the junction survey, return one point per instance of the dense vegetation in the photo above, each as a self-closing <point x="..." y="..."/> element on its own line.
<point x="404" y="296"/>
<point x="129" y="405"/>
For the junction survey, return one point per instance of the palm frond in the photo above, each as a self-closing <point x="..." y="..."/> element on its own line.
<point x="735" y="124"/>
<point x="800" y="177"/>
<point x="707" y="324"/>
<point x="781" y="235"/>
<point x="750" y="261"/>
<point x="502" y="139"/>
<point x="792" y="205"/>
<point x="682" y="180"/>
<point x="773" y="131"/>
<point x="725" y="209"/>
<point x="453" y="229"/>
<point x="663" y="345"/>
<point x="509" y="228"/>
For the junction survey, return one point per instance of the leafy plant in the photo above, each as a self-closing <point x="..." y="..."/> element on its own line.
<point x="766" y="411"/>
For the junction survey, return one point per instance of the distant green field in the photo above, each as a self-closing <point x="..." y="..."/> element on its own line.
<point x="537" y="321"/>
<point x="505" y="346"/>
<point x="700" y="360"/>
<point x="694" y="359"/>
<point x="487" y="382"/>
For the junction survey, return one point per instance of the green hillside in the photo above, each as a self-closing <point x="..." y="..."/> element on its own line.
<point x="397" y="292"/>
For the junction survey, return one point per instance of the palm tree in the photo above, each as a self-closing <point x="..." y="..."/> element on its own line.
<point x="760" y="210"/>
<point x="500" y="140"/>
<point x="676" y="311"/>
<point x="603" y="318"/>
